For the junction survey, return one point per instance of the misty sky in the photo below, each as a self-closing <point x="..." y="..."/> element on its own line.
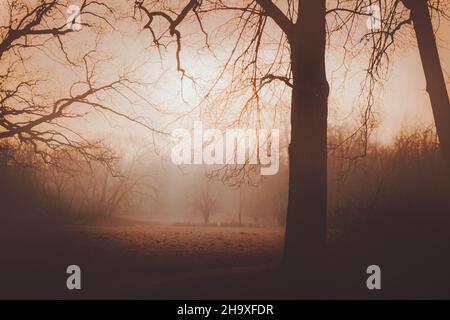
<point x="401" y="100"/>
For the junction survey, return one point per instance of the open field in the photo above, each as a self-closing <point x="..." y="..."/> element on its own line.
<point x="125" y="258"/>
<point x="121" y="258"/>
<point x="181" y="248"/>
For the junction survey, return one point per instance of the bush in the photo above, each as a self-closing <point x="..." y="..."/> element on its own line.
<point x="394" y="211"/>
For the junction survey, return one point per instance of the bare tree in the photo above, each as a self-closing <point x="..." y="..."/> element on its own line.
<point x="303" y="39"/>
<point x="204" y="202"/>
<point x="32" y="110"/>
<point x="241" y="206"/>
<point x="436" y="87"/>
<point x="101" y="193"/>
<point x="380" y="42"/>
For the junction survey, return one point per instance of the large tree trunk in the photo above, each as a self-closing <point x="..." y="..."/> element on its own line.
<point x="436" y="87"/>
<point x="306" y="220"/>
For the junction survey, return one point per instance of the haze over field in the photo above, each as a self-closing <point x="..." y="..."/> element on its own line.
<point x="353" y="120"/>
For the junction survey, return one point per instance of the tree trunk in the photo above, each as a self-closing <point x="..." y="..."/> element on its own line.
<point x="436" y="87"/>
<point x="240" y="207"/>
<point x="305" y="243"/>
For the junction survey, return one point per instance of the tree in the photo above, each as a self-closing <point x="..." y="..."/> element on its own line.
<point x="240" y="206"/>
<point x="394" y="16"/>
<point x="100" y="193"/>
<point x="435" y="80"/>
<point x="307" y="205"/>
<point x="205" y="202"/>
<point x="36" y="111"/>
<point x="305" y="39"/>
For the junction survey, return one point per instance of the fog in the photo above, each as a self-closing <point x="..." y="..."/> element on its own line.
<point x="103" y="165"/>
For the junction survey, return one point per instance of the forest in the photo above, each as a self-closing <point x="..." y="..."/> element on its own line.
<point x="198" y="149"/>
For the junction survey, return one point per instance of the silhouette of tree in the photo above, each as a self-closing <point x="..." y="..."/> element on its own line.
<point x="395" y="16"/>
<point x="32" y="110"/>
<point x="303" y="41"/>
<point x="436" y="87"/>
<point x="204" y="202"/>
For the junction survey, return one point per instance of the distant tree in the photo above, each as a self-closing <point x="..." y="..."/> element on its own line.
<point x="99" y="192"/>
<point x="204" y="202"/>
<point x="241" y="205"/>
